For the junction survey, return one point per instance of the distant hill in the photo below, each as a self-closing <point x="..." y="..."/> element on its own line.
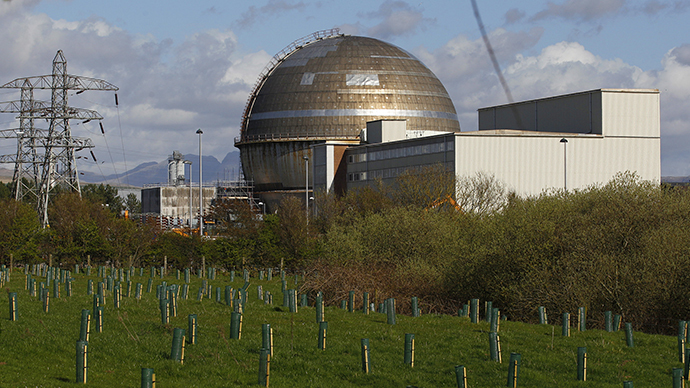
<point x="675" y="179"/>
<point x="157" y="172"/>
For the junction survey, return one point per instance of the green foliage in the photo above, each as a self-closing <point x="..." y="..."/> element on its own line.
<point x="132" y="203"/>
<point x="104" y="195"/>
<point x="19" y="231"/>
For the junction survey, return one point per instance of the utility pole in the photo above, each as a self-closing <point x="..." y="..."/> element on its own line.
<point x="56" y="166"/>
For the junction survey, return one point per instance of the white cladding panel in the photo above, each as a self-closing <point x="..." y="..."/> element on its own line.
<point x="529" y="165"/>
<point x="631" y="113"/>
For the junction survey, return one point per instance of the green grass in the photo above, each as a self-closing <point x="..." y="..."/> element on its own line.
<point x="39" y="348"/>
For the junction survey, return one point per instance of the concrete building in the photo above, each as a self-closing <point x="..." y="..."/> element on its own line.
<point x="570" y="141"/>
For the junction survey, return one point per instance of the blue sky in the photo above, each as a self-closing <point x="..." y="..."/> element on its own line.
<point x="184" y="65"/>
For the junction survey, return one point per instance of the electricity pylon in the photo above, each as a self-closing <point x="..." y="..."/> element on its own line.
<point x="37" y="173"/>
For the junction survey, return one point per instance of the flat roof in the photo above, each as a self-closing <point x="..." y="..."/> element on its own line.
<point x="643" y="91"/>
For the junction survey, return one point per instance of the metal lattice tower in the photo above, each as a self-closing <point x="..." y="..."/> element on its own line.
<point x="45" y="159"/>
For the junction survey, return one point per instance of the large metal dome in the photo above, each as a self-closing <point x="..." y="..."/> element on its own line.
<point x="327" y="86"/>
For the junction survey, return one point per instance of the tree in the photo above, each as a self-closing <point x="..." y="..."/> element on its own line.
<point x="20" y="230"/>
<point x="104" y="195"/>
<point x="79" y="227"/>
<point x="132" y="203"/>
<point x="235" y="218"/>
<point x="421" y="187"/>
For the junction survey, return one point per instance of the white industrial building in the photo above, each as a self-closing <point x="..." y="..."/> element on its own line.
<point x="570" y="141"/>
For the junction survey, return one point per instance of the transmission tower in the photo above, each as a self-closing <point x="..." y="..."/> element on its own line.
<point x="45" y="159"/>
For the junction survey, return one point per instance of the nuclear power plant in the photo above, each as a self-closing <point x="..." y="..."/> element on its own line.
<point x="325" y="88"/>
<point x="333" y="112"/>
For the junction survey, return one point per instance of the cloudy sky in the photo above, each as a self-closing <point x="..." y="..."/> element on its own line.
<point x="184" y="65"/>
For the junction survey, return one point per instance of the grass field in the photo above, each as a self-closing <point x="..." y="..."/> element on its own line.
<point x="38" y="350"/>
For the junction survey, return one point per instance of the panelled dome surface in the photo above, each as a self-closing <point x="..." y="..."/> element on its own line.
<point x="332" y="87"/>
<point x="327" y="89"/>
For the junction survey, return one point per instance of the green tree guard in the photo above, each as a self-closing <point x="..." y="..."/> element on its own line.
<point x="608" y="321"/>
<point x="319" y="309"/>
<point x="495" y="347"/>
<point x="177" y="274"/>
<point x="261" y="275"/>
<point x="85" y="327"/>
<point x="235" y="325"/>
<point x="565" y="331"/>
<point x="82" y="362"/>
<point x="232" y="276"/>
<point x="543" y="320"/>
<point x="323" y="329"/>
<point x="682" y="332"/>
<point x="514" y="370"/>
<point x="268" y="298"/>
<point x="264" y="367"/>
<point x="116" y="297"/>
<point x="200" y="294"/>
<point x="474" y="311"/>
<point x="616" y="322"/>
<point x="678" y="378"/>
<point x="629" y="335"/>
<point x="408" y="357"/>
<point x="366" y="361"/>
<point x="351" y="301"/>
<point x="238" y="306"/>
<point x="172" y="304"/>
<point x="627" y="384"/>
<point x="304" y="300"/>
<point x="488" y="309"/>
<point x="217" y="294"/>
<point x="686" y="369"/>
<point x="283" y="285"/>
<point x="185" y="291"/>
<point x="270" y="274"/>
<point x="582" y="364"/>
<point x="267" y="337"/>
<point x="582" y="318"/>
<point x="495" y="320"/>
<point x="148" y="378"/>
<point x="186" y="275"/>
<point x="343" y="304"/>
<point x="165" y="313"/>
<point x="228" y="295"/>
<point x="56" y="289"/>
<point x="415" y="306"/>
<point x="292" y="300"/>
<point x="98" y="319"/>
<point x="465" y="310"/>
<point x="128" y="289"/>
<point x="68" y="287"/>
<point x="137" y="291"/>
<point x="149" y="285"/>
<point x="13" y="306"/>
<point x="192" y="327"/>
<point x="461" y="376"/>
<point x="46" y="303"/>
<point x="260" y="292"/>
<point x="365" y="303"/>
<point x="177" y="351"/>
<point x="390" y="311"/>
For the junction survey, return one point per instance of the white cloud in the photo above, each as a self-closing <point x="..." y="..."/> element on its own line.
<point x="399" y="19"/>
<point x="580" y="10"/>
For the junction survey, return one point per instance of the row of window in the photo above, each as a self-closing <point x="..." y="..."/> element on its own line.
<point x="401" y="152"/>
<point x="384" y="173"/>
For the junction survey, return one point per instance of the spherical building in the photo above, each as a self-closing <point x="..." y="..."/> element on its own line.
<point x="326" y="87"/>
